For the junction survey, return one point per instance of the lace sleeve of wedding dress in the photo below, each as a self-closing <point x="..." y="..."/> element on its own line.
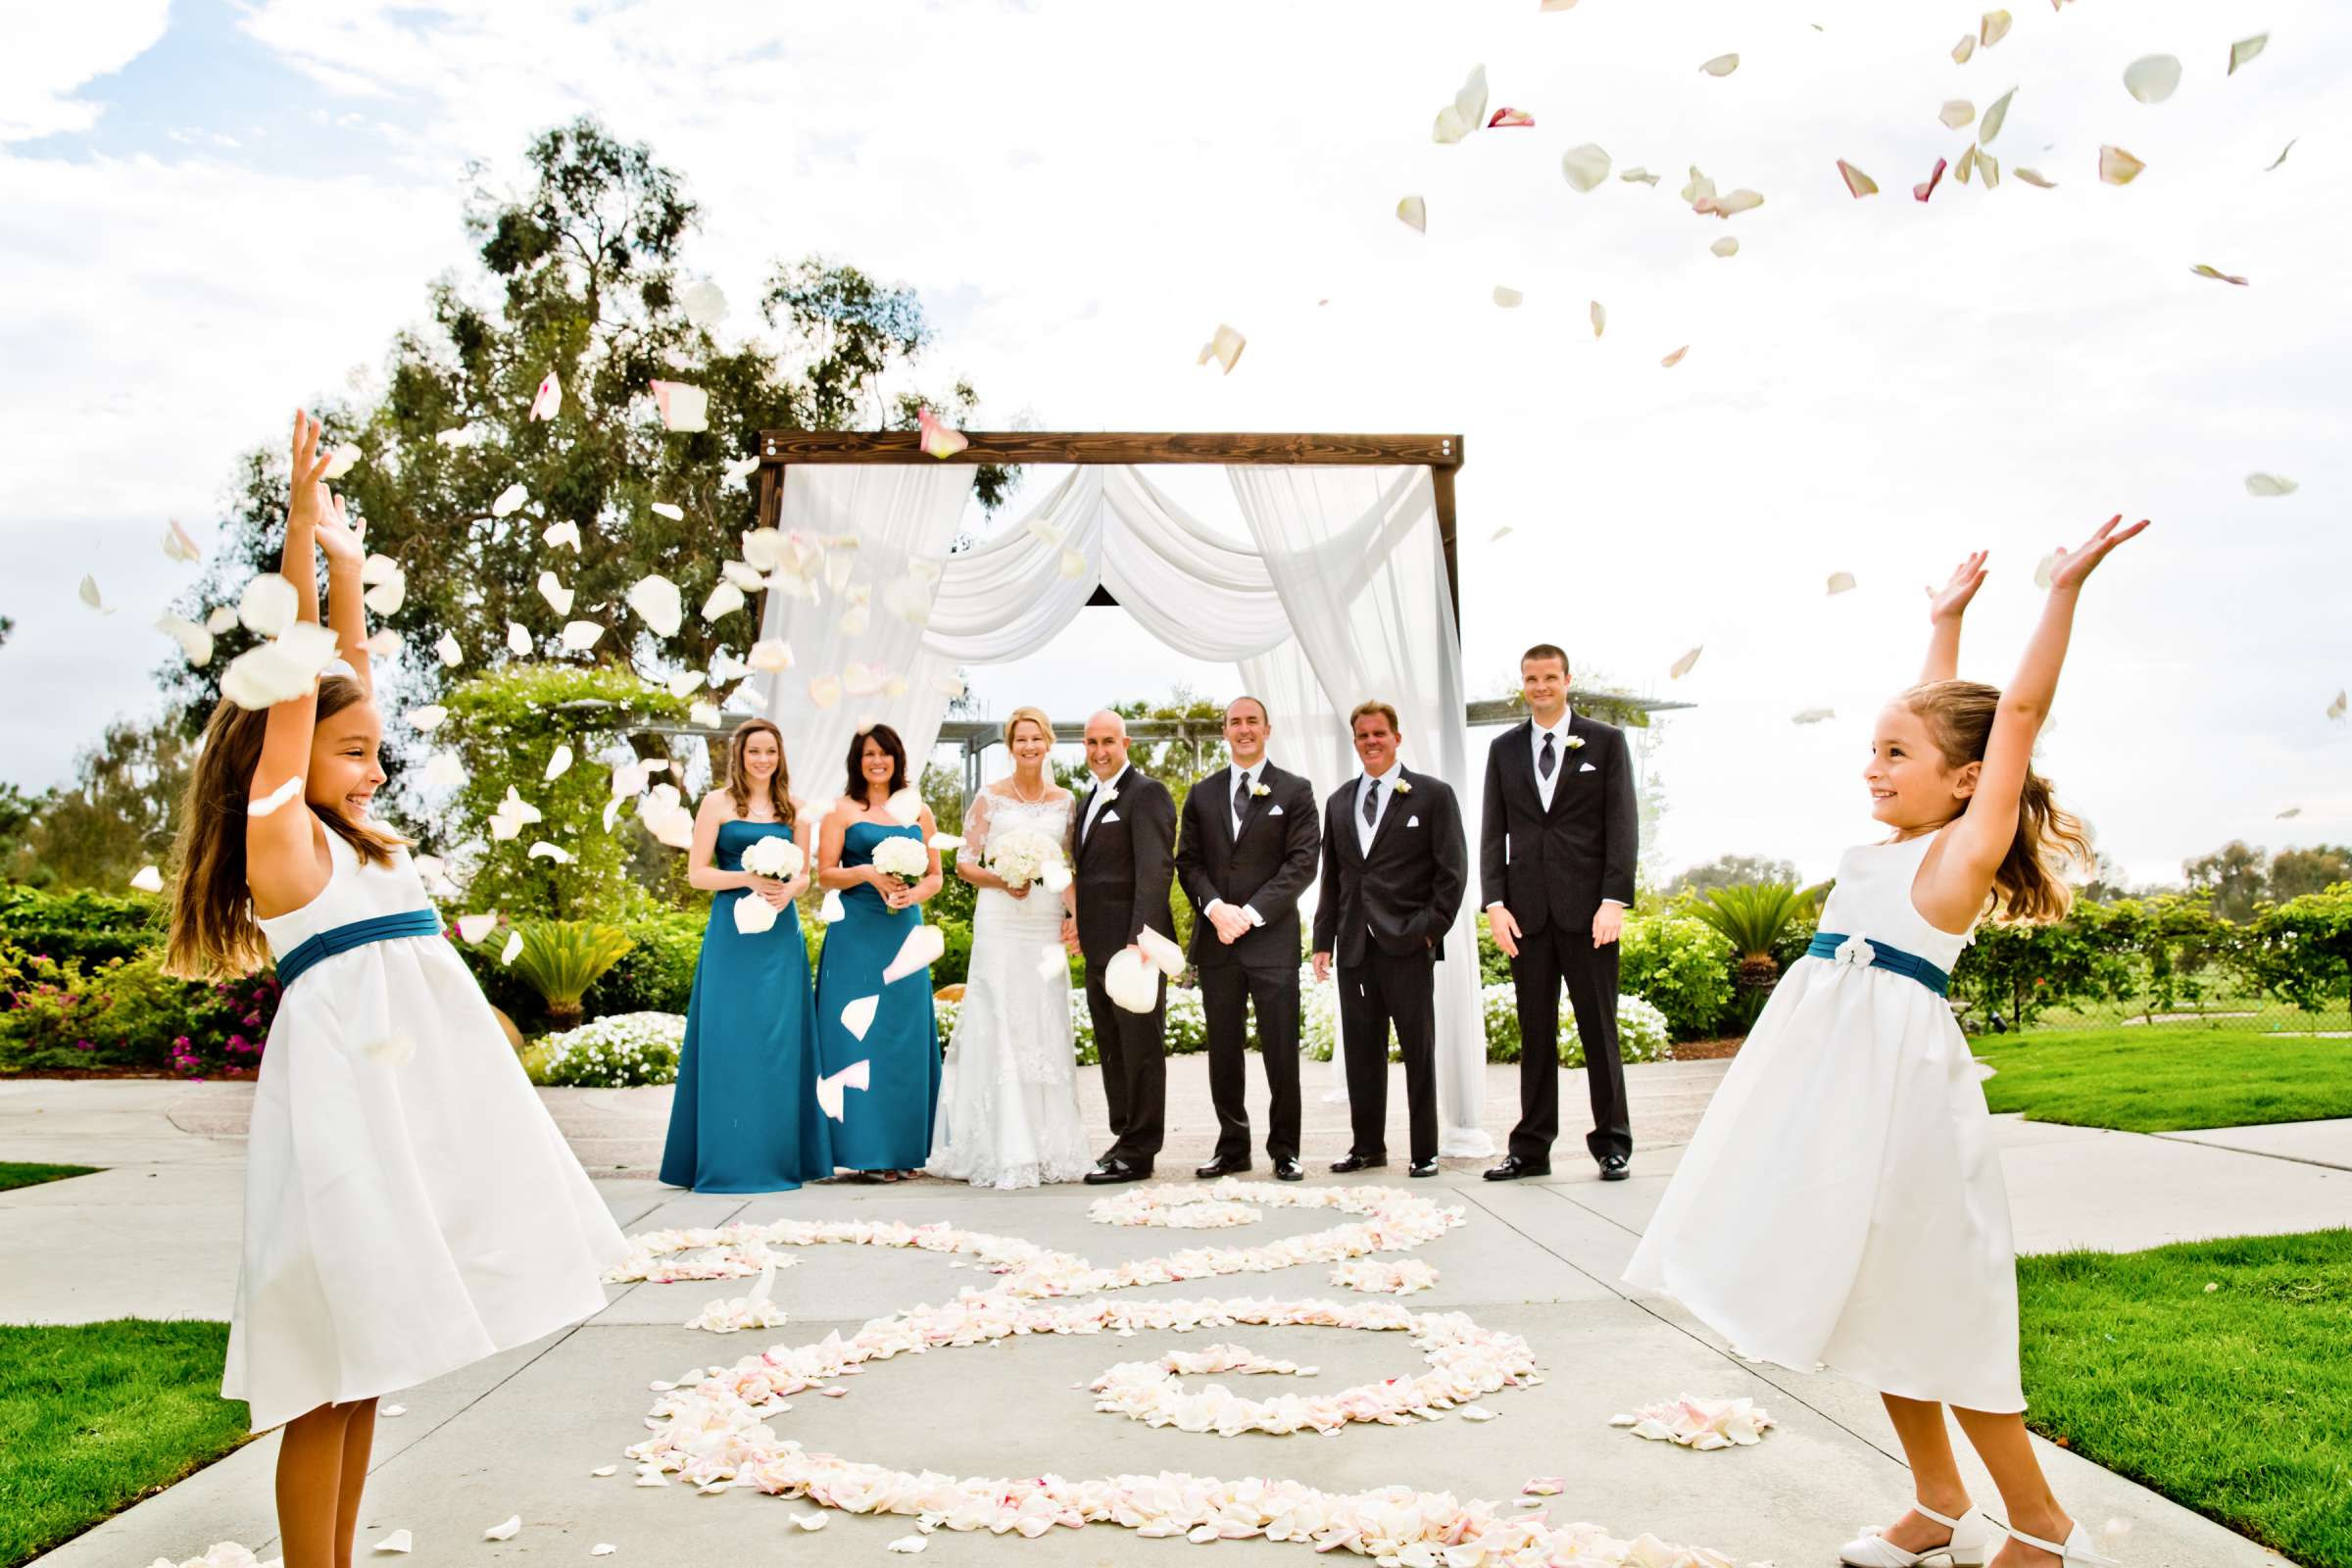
<point x="976" y="826"/>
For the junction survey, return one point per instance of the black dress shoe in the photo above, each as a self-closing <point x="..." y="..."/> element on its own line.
<point x="1356" y="1162"/>
<point x="1514" y="1168"/>
<point x="1289" y="1170"/>
<point x="1423" y="1167"/>
<point x="1221" y="1167"/>
<point x="1112" y="1171"/>
<point x="1615" y="1167"/>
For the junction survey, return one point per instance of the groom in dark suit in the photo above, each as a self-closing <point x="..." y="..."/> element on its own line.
<point x="1394" y="869"/>
<point x="1557" y="851"/>
<point x="1245" y="853"/>
<point x="1125" y="863"/>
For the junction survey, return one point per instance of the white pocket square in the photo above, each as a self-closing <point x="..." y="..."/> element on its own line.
<point x="1107" y="818"/>
<point x="1276" y="812"/>
<point x="1413" y="821"/>
<point x="1588" y="769"/>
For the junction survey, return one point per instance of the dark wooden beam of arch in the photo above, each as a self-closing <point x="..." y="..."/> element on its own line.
<point x="1116" y="446"/>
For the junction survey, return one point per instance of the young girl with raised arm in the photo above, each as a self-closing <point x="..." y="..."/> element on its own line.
<point x="410" y="1207"/>
<point x="1842" y="1202"/>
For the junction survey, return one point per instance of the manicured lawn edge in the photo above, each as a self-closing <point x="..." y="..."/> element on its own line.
<point x="14" y="1175"/>
<point x="2212" y="1372"/>
<point x="2166" y="1078"/>
<point x="95" y="1416"/>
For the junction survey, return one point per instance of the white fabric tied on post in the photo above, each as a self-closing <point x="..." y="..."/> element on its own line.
<point x="899" y="513"/>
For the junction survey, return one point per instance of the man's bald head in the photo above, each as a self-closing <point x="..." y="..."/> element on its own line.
<point x="1105" y="744"/>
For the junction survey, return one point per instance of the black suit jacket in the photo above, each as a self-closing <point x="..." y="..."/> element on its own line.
<point x="1559" y="864"/>
<point x="1408" y="890"/>
<point x="1125" y="865"/>
<point x="1265" y="868"/>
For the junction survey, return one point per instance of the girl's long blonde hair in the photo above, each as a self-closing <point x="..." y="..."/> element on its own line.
<point x="213" y="935"/>
<point x="739" y="777"/>
<point x="2028" y="885"/>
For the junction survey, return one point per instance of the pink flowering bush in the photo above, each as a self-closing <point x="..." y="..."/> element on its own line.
<point x="57" y="1015"/>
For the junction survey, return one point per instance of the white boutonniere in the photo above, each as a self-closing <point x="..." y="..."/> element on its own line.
<point x="1404" y="786"/>
<point x="1259" y="790"/>
<point x="1575" y="743"/>
<point x="1108" y="796"/>
<point x="1857" y="952"/>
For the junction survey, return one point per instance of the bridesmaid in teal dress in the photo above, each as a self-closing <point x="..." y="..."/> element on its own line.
<point x="885" y="1130"/>
<point x="745" y="1117"/>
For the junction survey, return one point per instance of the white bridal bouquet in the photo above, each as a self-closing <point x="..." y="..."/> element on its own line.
<point x="1023" y="856"/>
<point x="902" y="857"/>
<point x="776" y="857"/>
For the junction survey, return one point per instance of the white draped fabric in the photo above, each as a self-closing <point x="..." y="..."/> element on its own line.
<point x="899" y="514"/>
<point x="1355" y="556"/>
<point x="1338" y="595"/>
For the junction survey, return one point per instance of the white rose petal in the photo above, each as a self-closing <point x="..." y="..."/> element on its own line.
<point x="773" y="656"/>
<point x="151" y="880"/>
<point x="276" y="798"/>
<point x="1683" y="666"/>
<point x="1414" y="213"/>
<point x="506" y="1531"/>
<point x="824" y="691"/>
<point x="704" y="303"/>
<point x="1224" y="346"/>
<point x="344" y="460"/>
<point x="2271" y="484"/>
<point x="922" y="948"/>
<point x="390" y="1410"/>
<point x="1814" y="716"/>
<point x="518" y="641"/>
<point x="1637" y="176"/>
<point x="2152" y="78"/>
<point x="427" y="718"/>
<point x="1729" y="245"/>
<point x="266" y="607"/>
<point x="605" y="1470"/>
<point x="906" y="808"/>
<point x="1993" y="28"/>
<point x="178" y="545"/>
<point x="581" y="635"/>
<point x="1721" y="66"/>
<point x="472" y="928"/>
<point x="559" y="762"/>
<point x="1508" y="298"/>
<point x="602" y="1548"/>
<point x="558" y="598"/>
<point x="444" y="771"/>
<point x="2246" y="49"/>
<point x="685" y="683"/>
<point x="195" y="641"/>
<point x="809" y="1521"/>
<point x="685" y="409"/>
<point x="2118" y="167"/>
<point x="397" y="1540"/>
<point x="221" y="619"/>
<point x="858" y="1016"/>
<point x="511" y="950"/>
<point x="654" y="597"/>
<point x="706" y="714"/>
<point x="1995" y="117"/>
<point x="1583" y="166"/>
<point x="755" y="914"/>
<point x="665" y="509"/>
<point x="1957" y="112"/>
<point x="562" y="533"/>
<point x="724" y="599"/>
<point x="1161" y="951"/>
<point x="910" y="1544"/>
<point x="281" y="670"/>
<point x="829" y="909"/>
<point x="451" y="655"/>
<point x="1132" y="982"/>
<point x="1676" y="358"/>
<point x="509" y="501"/>
<point x="1841" y="582"/>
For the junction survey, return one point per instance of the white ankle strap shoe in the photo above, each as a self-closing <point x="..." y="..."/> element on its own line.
<point x="1970" y="1545"/>
<point x="2077" y="1550"/>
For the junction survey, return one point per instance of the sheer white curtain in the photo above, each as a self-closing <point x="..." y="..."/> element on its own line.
<point x="1354" y="555"/>
<point x="899" y="514"/>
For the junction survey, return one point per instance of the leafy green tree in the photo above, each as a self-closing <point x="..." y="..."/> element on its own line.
<point x="2295" y="872"/>
<point x="2235" y="877"/>
<point x="586" y="271"/>
<point x="2302" y="949"/>
<point x="18" y="812"/>
<point x="118" y="815"/>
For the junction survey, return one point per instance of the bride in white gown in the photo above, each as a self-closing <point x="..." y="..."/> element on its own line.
<point x="1009" y="1098"/>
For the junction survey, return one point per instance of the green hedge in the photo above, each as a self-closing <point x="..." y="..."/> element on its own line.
<point x="88" y="927"/>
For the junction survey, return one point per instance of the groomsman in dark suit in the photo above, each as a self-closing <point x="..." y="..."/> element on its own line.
<point x="1394" y="869"/>
<point x="1557" y="851"/>
<point x="1125" y="865"/>
<point x="1246" y="851"/>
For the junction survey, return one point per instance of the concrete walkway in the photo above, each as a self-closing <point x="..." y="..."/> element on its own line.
<point x="156" y="1234"/>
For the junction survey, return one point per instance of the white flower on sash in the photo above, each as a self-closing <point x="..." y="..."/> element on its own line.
<point x="1857" y="952"/>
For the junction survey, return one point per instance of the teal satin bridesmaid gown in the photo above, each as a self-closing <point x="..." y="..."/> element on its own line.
<point x="886" y="1126"/>
<point x="745" y="1117"/>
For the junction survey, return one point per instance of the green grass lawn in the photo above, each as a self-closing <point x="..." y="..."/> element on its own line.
<point x="2155" y="1078"/>
<point x="15" y="1175"/>
<point x="95" y="1416"/>
<point x="2236" y="1401"/>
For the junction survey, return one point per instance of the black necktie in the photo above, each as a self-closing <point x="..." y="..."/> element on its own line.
<point x="1372" y="803"/>
<point x="1549" y="760"/>
<point x="1241" y="795"/>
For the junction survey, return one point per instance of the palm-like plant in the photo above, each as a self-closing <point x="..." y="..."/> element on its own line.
<point x="1753" y="917"/>
<point x="561" y="959"/>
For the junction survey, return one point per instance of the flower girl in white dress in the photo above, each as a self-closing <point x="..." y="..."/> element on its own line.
<point x="1009" y="1098"/>
<point x="409" y="1207"/>
<point x="1842" y="1202"/>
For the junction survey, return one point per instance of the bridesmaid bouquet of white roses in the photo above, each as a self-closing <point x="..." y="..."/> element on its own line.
<point x="776" y="857"/>
<point x="902" y="857"/>
<point x="1024" y="855"/>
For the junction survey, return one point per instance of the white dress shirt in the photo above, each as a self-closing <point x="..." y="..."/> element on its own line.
<point x="1103" y="789"/>
<point x="1235" y="779"/>
<point x="1365" y="831"/>
<point x="1561" y="751"/>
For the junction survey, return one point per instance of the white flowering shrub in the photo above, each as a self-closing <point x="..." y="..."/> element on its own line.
<point x="617" y="1052"/>
<point x="1641" y="1027"/>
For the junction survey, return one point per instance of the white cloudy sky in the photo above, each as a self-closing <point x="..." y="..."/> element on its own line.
<point x="211" y="210"/>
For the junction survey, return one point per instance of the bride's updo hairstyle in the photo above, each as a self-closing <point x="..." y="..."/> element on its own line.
<point x="2028" y="887"/>
<point x="1032" y="715"/>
